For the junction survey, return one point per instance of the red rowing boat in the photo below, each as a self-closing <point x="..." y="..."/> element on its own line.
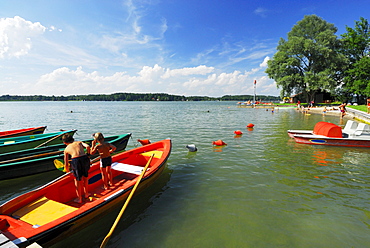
<point x="49" y="213"/>
<point x="21" y="132"/>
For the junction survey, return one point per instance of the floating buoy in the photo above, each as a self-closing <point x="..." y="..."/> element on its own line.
<point x="238" y="132"/>
<point x="250" y="125"/>
<point x="219" y="143"/>
<point x="144" y="141"/>
<point x="192" y="148"/>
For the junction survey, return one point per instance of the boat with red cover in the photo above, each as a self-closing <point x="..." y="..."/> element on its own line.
<point x="49" y="213"/>
<point x="350" y="127"/>
<point x="326" y="133"/>
<point x="22" y="132"/>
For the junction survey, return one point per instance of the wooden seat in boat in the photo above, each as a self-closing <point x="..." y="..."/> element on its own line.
<point x="42" y="211"/>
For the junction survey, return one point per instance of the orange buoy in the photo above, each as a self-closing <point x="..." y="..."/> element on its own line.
<point x="144" y="141"/>
<point x="238" y="132"/>
<point x="219" y="143"/>
<point x="250" y="125"/>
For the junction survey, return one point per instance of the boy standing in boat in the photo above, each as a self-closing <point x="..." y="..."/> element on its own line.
<point x="105" y="149"/>
<point x="80" y="164"/>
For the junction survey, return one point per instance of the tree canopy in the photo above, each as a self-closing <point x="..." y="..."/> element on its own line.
<point x="309" y="60"/>
<point x="356" y="47"/>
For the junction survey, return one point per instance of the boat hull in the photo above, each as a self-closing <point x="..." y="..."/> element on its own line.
<point x="291" y="133"/>
<point x="22" y="132"/>
<point x="31" y="141"/>
<point x="29" y="216"/>
<point x="67" y="229"/>
<point x="316" y="140"/>
<point x="33" y="161"/>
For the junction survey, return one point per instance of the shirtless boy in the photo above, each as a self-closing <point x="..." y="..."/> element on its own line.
<point x="105" y="149"/>
<point x="80" y="164"/>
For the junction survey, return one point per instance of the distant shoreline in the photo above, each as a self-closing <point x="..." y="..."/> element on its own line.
<point x="136" y="97"/>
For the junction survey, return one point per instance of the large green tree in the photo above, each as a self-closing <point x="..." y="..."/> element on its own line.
<point x="309" y="60"/>
<point x="356" y="47"/>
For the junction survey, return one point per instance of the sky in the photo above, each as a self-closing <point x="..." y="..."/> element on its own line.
<point x="180" y="47"/>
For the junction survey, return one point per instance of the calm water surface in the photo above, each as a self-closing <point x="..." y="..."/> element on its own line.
<point x="261" y="190"/>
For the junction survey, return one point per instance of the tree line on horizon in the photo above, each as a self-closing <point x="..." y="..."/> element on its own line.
<point x="314" y="59"/>
<point x="137" y="97"/>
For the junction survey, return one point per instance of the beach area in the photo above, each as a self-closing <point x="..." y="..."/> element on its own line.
<point x="335" y="111"/>
<point x="324" y="110"/>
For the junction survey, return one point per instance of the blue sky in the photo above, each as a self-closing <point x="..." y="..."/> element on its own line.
<point x="181" y="47"/>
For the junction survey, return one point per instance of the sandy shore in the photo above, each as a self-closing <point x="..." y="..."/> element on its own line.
<point x="320" y="110"/>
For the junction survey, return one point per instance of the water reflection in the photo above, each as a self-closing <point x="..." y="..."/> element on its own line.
<point x="218" y="148"/>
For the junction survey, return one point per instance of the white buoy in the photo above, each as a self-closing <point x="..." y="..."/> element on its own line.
<point x="192" y="148"/>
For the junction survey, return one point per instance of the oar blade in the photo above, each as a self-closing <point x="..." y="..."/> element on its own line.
<point x="59" y="165"/>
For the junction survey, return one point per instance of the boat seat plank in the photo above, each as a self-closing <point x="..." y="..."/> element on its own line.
<point x="157" y="154"/>
<point x="128" y="168"/>
<point x="42" y="211"/>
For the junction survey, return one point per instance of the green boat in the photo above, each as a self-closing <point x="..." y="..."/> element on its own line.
<point x="37" y="160"/>
<point x="32" y="141"/>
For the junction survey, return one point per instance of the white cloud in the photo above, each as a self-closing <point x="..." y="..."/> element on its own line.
<point x="264" y="63"/>
<point x="149" y="74"/>
<point x="15" y="36"/>
<point x="135" y="33"/>
<point x="199" y="70"/>
<point x="201" y="80"/>
<point x="222" y="79"/>
<point x="260" y="11"/>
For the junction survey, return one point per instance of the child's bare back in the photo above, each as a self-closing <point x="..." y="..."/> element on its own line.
<point x="104" y="149"/>
<point x="75" y="149"/>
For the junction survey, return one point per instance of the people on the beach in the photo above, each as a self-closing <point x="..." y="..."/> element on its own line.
<point x="80" y="164"/>
<point x="105" y="149"/>
<point x="324" y="110"/>
<point x="342" y="109"/>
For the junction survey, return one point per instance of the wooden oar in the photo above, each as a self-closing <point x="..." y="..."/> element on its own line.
<point x="30" y="157"/>
<point x="50" y="140"/>
<point x="106" y="239"/>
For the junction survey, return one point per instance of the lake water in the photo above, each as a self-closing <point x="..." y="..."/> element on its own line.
<point x="261" y="190"/>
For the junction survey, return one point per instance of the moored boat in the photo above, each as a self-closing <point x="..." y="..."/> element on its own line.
<point x="37" y="160"/>
<point x="50" y="212"/>
<point x="349" y="128"/>
<point x="332" y="135"/>
<point x="22" y="132"/>
<point x="32" y="141"/>
<point x="292" y="132"/>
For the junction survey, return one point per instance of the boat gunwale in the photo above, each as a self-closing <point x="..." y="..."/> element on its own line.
<point x="21" y="132"/>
